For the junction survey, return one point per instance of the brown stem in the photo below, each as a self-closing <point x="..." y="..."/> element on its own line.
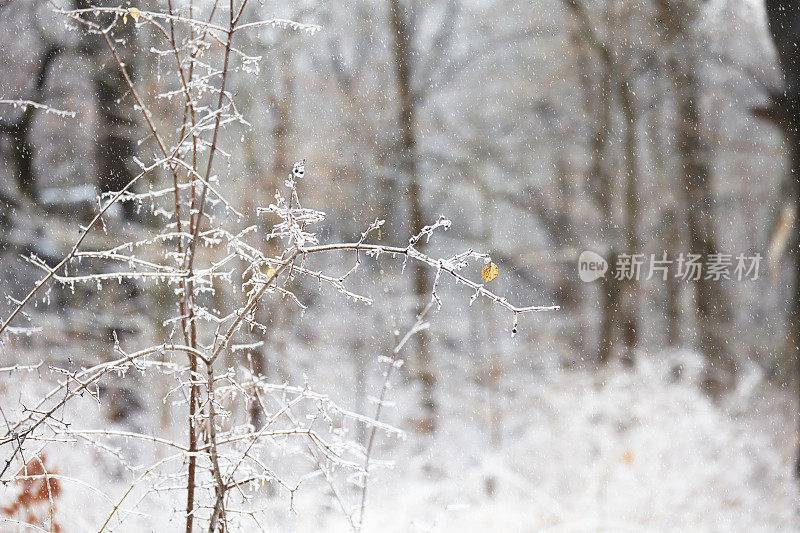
<point x="219" y="484"/>
<point x="198" y="220"/>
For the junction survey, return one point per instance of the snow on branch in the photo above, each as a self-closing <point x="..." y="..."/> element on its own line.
<point x="24" y="104"/>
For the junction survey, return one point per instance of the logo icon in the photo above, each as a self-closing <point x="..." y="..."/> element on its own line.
<point x="591" y="266"/>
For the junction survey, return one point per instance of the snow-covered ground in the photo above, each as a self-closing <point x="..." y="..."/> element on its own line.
<point x="616" y="451"/>
<point x="576" y="450"/>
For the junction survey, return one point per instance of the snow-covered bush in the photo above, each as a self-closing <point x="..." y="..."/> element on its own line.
<point x="243" y="433"/>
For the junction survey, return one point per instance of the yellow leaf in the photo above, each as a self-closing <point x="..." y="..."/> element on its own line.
<point x="135" y="13"/>
<point x="490" y="272"/>
<point x="628" y="457"/>
<point x="270" y="272"/>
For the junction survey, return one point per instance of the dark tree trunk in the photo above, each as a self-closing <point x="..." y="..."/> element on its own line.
<point x="115" y="146"/>
<point x="712" y="305"/>
<point x="619" y="298"/>
<point x="669" y="222"/>
<point x="631" y="310"/>
<point x="793" y="326"/>
<point x="401" y="47"/>
<point x="21" y="131"/>
<point x="601" y="186"/>
<point x="784" y="25"/>
<point x="672" y="307"/>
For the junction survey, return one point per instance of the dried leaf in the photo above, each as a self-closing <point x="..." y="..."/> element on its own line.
<point x="490" y="272"/>
<point x="135" y="13"/>
<point x="628" y="457"/>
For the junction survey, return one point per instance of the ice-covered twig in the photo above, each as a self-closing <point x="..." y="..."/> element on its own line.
<point x="21" y="368"/>
<point x="399" y="344"/>
<point x="46" y="108"/>
<point x="85" y="378"/>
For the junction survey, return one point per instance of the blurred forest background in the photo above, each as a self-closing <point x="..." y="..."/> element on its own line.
<point x="540" y="129"/>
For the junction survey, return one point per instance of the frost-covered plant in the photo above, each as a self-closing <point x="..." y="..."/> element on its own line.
<point x="201" y="243"/>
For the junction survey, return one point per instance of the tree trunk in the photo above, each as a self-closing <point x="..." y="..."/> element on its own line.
<point x="669" y="233"/>
<point x="21" y="131"/>
<point x="784" y="24"/>
<point x="712" y="306"/>
<point x="618" y="298"/>
<point x="630" y="322"/>
<point x="793" y="325"/>
<point x="401" y="48"/>
<point x="672" y="305"/>
<point x="116" y="145"/>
